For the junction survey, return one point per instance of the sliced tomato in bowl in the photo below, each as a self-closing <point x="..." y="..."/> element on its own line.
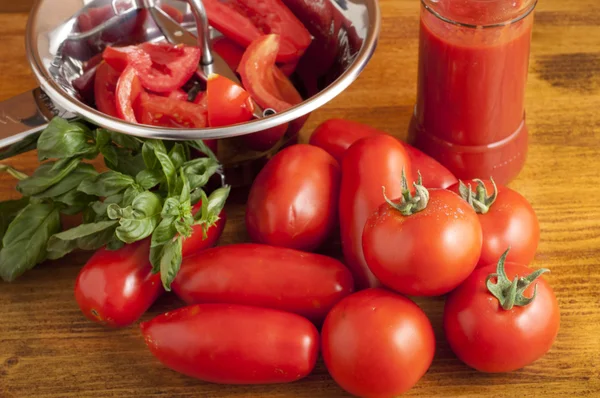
<point x="171" y="66"/>
<point x="105" y="85"/>
<point x="156" y="110"/>
<point x="128" y="90"/>
<point x="178" y="94"/>
<point x="228" y="103"/>
<point x="229" y="50"/>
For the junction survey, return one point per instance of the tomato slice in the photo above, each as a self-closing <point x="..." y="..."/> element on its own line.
<point x="168" y="112"/>
<point x="228" y="103"/>
<point x="105" y="85"/>
<point x="121" y="57"/>
<point x="171" y="66"/>
<point x="265" y="82"/>
<point x="178" y="94"/>
<point x="244" y="21"/>
<point x="128" y="90"/>
<point x="229" y="50"/>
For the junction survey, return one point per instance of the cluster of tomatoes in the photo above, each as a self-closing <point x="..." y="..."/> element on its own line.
<point x="254" y="310"/>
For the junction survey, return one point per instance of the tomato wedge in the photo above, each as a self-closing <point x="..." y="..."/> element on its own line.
<point x="105" y="85"/>
<point x="129" y="89"/>
<point x="178" y="94"/>
<point x="121" y="57"/>
<point x="168" y="112"/>
<point x="171" y="66"/>
<point x="244" y="21"/>
<point x="229" y="50"/>
<point x="228" y="103"/>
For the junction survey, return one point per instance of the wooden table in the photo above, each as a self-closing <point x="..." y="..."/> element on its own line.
<point x="47" y="348"/>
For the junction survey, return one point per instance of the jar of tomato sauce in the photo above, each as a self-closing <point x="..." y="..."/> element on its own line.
<point x="473" y="63"/>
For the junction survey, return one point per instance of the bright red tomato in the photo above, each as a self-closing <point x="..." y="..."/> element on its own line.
<point x="196" y="242"/>
<point x="264" y="276"/>
<point x="377" y="344"/>
<point x="228" y="103"/>
<point x="488" y="337"/>
<point x="234" y="344"/>
<point x="425" y="253"/>
<point x="337" y="135"/>
<point x="105" y="85"/>
<point x="115" y="288"/>
<point x="244" y="21"/>
<point x="293" y="201"/>
<point x="156" y="110"/>
<point x="172" y="66"/>
<point x="128" y="91"/>
<point x="122" y="57"/>
<point x="507" y="220"/>
<point x="369" y="164"/>
<point x="178" y="94"/>
<point x="229" y="50"/>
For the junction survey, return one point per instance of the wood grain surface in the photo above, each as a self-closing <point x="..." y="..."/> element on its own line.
<point x="48" y="349"/>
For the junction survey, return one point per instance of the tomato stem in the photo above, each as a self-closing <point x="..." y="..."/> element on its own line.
<point x="510" y="293"/>
<point x="479" y="200"/>
<point x="410" y="204"/>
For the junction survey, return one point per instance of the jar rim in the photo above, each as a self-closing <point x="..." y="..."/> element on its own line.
<point x="522" y="16"/>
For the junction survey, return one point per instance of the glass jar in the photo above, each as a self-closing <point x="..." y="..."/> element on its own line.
<point x="473" y="64"/>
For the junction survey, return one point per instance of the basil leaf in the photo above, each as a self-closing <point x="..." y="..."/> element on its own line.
<point x="106" y="184"/>
<point x="216" y="202"/>
<point x="24" y="244"/>
<point x="130" y="194"/>
<point x="126" y="141"/>
<point x="199" y="171"/>
<point x="84" y="237"/>
<point x="114" y="244"/>
<point x="165" y="232"/>
<point x="110" y="154"/>
<point x="166" y="164"/>
<point x="70" y="182"/>
<point x="102" y="137"/>
<point x="202" y="214"/>
<point x="46" y="176"/>
<point x="177" y="155"/>
<point x="75" y="201"/>
<point x="139" y="220"/>
<point x="13" y="172"/>
<point x="127" y="162"/>
<point x="148" y="179"/>
<point x="8" y="211"/>
<point x="170" y="262"/>
<point x="62" y="139"/>
<point x="201" y="146"/>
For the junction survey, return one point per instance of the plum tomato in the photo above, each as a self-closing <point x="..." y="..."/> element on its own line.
<point x="234" y="344"/>
<point x="502" y="318"/>
<point x="264" y="276"/>
<point x="369" y="164"/>
<point x="424" y="244"/>
<point x="377" y="344"/>
<point x="507" y="220"/>
<point x="293" y="200"/>
<point x="115" y="288"/>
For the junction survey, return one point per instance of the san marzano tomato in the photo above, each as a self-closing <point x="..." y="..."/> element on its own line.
<point x="495" y="328"/>
<point x="377" y="344"/>
<point x="234" y="344"/>
<point x="115" y="288"/>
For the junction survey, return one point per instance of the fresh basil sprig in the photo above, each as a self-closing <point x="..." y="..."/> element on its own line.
<point x="148" y="192"/>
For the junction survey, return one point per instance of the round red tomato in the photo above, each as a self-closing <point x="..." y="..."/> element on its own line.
<point x="264" y="276"/>
<point x="377" y="344"/>
<point x="228" y="103"/>
<point x="424" y="245"/>
<point x="293" y="201"/>
<point x="115" y="288"/>
<point x="507" y="220"/>
<point x="234" y="344"/>
<point x="487" y="333"/>
<point x="370" y="163"/>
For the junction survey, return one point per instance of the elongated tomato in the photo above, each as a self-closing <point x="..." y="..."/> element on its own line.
<point x="234" y="344"/>
<point x="370" y="164"/>
<point x="115" y="288"/>
<point x="293" y="201"/>
<point x="197" y="242"/>
<point x="264" y="276"/>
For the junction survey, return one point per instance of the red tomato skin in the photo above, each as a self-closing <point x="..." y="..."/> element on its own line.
<point x="105" y="85"/>
<point x="490" y="339"/>
<point x="178" y="94"/>
<point x="510" y="222"/>
<point x="229" y="50"/>
<point x="293" y="200"/>
<point x="128" y="90"/>
<point x="120" y="58"/>
<point x="228" y="103"/>
<point x="171" y="67"/>
<point x="369" y="164"/>
<point x="226" y="344"/>
<point x="264" y="276"/>
<point x="115" y="288"/>
<point x="157" y="110"/>
<point x="428" y="253"/>
<point x="196" y="242"/>
<point x="377" y="344"/>
<point x="337" y="135"/>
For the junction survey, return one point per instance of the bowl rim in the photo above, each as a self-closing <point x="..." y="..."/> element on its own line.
<point x="57" y="94"/>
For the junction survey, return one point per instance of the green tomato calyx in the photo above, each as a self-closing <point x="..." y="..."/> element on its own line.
<point x="510" y="293"/>
<point x="410" y="204"/>
<point x="479" y="200"/>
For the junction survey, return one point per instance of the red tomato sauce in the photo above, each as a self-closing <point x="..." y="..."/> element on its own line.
<point x="470" y="112"/>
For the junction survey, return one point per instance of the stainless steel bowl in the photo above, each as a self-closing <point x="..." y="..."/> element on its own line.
<point x="57" y="60"/>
